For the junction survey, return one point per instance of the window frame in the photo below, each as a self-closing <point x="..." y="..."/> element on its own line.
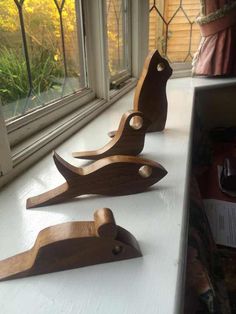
<point x="119" y="78"/>
<point x="5" y="156"/>
<point x="27" y="125"/>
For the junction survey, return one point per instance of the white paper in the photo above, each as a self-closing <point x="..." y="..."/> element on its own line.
<point x="222" y="219"/>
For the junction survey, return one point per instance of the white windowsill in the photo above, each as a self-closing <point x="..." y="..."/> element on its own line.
<point x="157" y="218"/>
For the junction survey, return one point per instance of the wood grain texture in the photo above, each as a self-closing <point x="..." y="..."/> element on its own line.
<point x="115" y="175"/>
<point x="128" y="140"/>
<point x="150" y="93"/>
<point x="71" y="245"/>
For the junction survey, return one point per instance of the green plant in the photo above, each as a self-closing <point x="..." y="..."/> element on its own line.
<point x="14" y="84"/>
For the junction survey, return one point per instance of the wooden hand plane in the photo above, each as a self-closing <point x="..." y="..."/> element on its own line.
<point x="115" y="175"/>
<point x="128" y="140"/>
<point x="71" y="245"/>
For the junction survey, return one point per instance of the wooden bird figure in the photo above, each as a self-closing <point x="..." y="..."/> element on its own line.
<point x="128" y="140"/>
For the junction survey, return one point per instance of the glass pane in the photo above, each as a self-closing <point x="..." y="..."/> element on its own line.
<point x="39" y="54"/>
<point x="178" y="41"/>
<point x="157" y="27"/>
<point x="14" y="85"/>
<point x="117" y="33"/>
<point x="172" y="28"/>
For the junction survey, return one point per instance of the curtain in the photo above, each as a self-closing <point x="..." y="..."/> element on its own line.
<point x="216" y="55"/>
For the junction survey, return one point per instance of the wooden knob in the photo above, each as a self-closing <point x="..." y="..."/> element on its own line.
<point x="105" y="224"/>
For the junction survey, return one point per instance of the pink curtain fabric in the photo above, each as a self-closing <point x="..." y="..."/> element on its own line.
<point x="216" y="55"/>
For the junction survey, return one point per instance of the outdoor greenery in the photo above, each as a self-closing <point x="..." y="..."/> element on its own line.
<point x="43" y="33"/>
<point x="14" y="79"/>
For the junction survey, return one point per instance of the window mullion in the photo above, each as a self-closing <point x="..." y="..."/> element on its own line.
<point x="80" y="36"/>
<point x="5" y="151"/>
<point x="140" y="32"/>
<point x="129" y="35"/>
<point x="96" y="44"/>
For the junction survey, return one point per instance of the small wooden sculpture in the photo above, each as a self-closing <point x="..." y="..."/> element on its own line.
<point x="71" y="245"/>
<point x="150" y="93"/>
<point x="129" y="139"/>
<point x="115" y="175"/>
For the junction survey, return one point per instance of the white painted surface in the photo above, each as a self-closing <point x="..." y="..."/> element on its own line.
<point x="157" y="218"/>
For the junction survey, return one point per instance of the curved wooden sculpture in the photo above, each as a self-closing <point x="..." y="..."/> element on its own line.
<point x="71" y="245"/>
<point x="150" y="93"/>
<point x="128" y="140"/>
<point x="115" y="175"/>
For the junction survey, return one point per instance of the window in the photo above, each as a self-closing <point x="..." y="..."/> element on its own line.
<point x="172" y="28"/>
<point x="118" y="34"/>
<point x="41" y="58"/>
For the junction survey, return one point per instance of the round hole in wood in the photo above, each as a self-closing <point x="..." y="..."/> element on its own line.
<point x="117" y="250"/>
<point x="136" y="122"/>
<point x="160" y="66"/>
<point x="145" y="171"/>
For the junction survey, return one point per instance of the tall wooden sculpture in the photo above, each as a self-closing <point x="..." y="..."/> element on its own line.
<point x="150" y="93"/>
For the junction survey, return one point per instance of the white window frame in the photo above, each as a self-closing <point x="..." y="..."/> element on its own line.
<point x="71" y="113"/>
<point x="124" y="75"/>
<point x="5" y="155"/>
